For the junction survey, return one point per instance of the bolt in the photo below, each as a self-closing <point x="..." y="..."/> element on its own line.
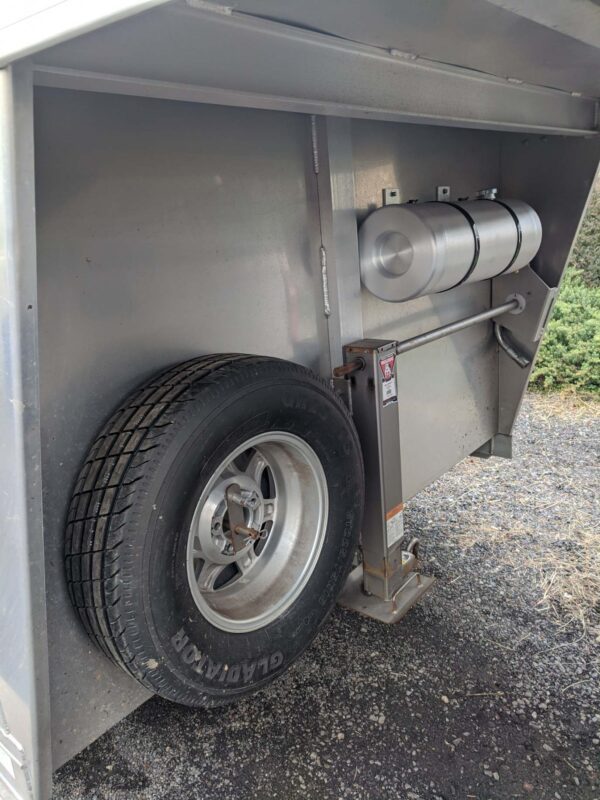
<point x="245" y="500"/>
<point x="252" y="533"/>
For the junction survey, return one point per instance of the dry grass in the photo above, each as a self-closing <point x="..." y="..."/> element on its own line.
<point x="570" y="586"/>
<point x="565" y="567"/>
<point x="567" y="404"/>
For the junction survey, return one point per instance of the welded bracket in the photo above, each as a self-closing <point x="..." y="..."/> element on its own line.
<point x="499" y="445"/>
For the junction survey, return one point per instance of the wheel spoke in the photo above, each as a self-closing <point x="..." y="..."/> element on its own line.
<point x="269" y="510"/>
<point x="208" y="575"/>
<point x="231" y="472"/>
<point x="246" y="561"/>
<point x="197" y="548"/>
<point x="256" y="466"/>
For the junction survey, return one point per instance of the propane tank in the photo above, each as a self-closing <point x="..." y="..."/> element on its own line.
<point x="421" y="248"/>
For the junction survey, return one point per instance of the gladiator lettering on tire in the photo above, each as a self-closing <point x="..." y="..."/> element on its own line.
<point x="213" y="524"/>
<point x="224" y="673"/>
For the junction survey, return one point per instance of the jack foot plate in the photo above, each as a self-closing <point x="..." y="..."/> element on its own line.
<point x="354" y="598"/>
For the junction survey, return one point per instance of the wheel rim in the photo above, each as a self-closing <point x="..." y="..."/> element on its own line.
<point x="282" y="482"/>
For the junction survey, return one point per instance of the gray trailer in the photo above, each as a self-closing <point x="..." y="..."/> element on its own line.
<point x="268" y="270"/>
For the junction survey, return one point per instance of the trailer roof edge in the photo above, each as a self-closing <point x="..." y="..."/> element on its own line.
<point x="28" y="32"/>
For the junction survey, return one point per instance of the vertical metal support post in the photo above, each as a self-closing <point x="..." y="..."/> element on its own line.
<point x="385" y="586"/>
<point x="334" y="167"/>
<point x="25" y="759"/>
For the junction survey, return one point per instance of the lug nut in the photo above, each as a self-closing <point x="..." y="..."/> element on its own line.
<point x="251" y="501"/>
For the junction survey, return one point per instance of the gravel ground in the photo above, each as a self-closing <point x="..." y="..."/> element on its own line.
<point x="488" y="689"/>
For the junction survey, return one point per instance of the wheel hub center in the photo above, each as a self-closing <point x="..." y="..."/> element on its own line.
<point x="242" y="505"/>
<point x="232" y="503"/>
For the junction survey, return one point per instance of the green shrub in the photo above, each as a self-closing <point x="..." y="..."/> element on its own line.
<point x="586" y="253"/>
<point x="570" y="352"/>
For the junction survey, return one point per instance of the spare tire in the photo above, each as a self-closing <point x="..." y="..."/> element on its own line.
<point x="213" y="524"/>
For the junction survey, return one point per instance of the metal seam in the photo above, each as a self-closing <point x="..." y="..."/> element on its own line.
<point x="322" y="251"/>
<point x="519" y="234"/>
<point x="476" y="240"/>
<point x="324" y="280"/>
<point x="314" y="142"/>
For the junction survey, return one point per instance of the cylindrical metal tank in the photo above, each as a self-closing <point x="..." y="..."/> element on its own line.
<point x="420" y="248"/>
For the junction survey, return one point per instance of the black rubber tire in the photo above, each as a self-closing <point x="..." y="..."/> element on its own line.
<point x="130" y="513"/>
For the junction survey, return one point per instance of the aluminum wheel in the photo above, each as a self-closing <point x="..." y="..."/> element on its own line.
<point x="243" y="582"/>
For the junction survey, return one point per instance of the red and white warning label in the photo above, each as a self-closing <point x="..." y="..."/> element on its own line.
<point x="389" y="391"/>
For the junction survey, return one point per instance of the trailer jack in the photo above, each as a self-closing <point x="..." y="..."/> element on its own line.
<point x="386" y="584"/>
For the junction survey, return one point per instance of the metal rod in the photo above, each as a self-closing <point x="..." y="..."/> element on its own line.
<point x="453" y="327"/>
<point x="349" y="368"/>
